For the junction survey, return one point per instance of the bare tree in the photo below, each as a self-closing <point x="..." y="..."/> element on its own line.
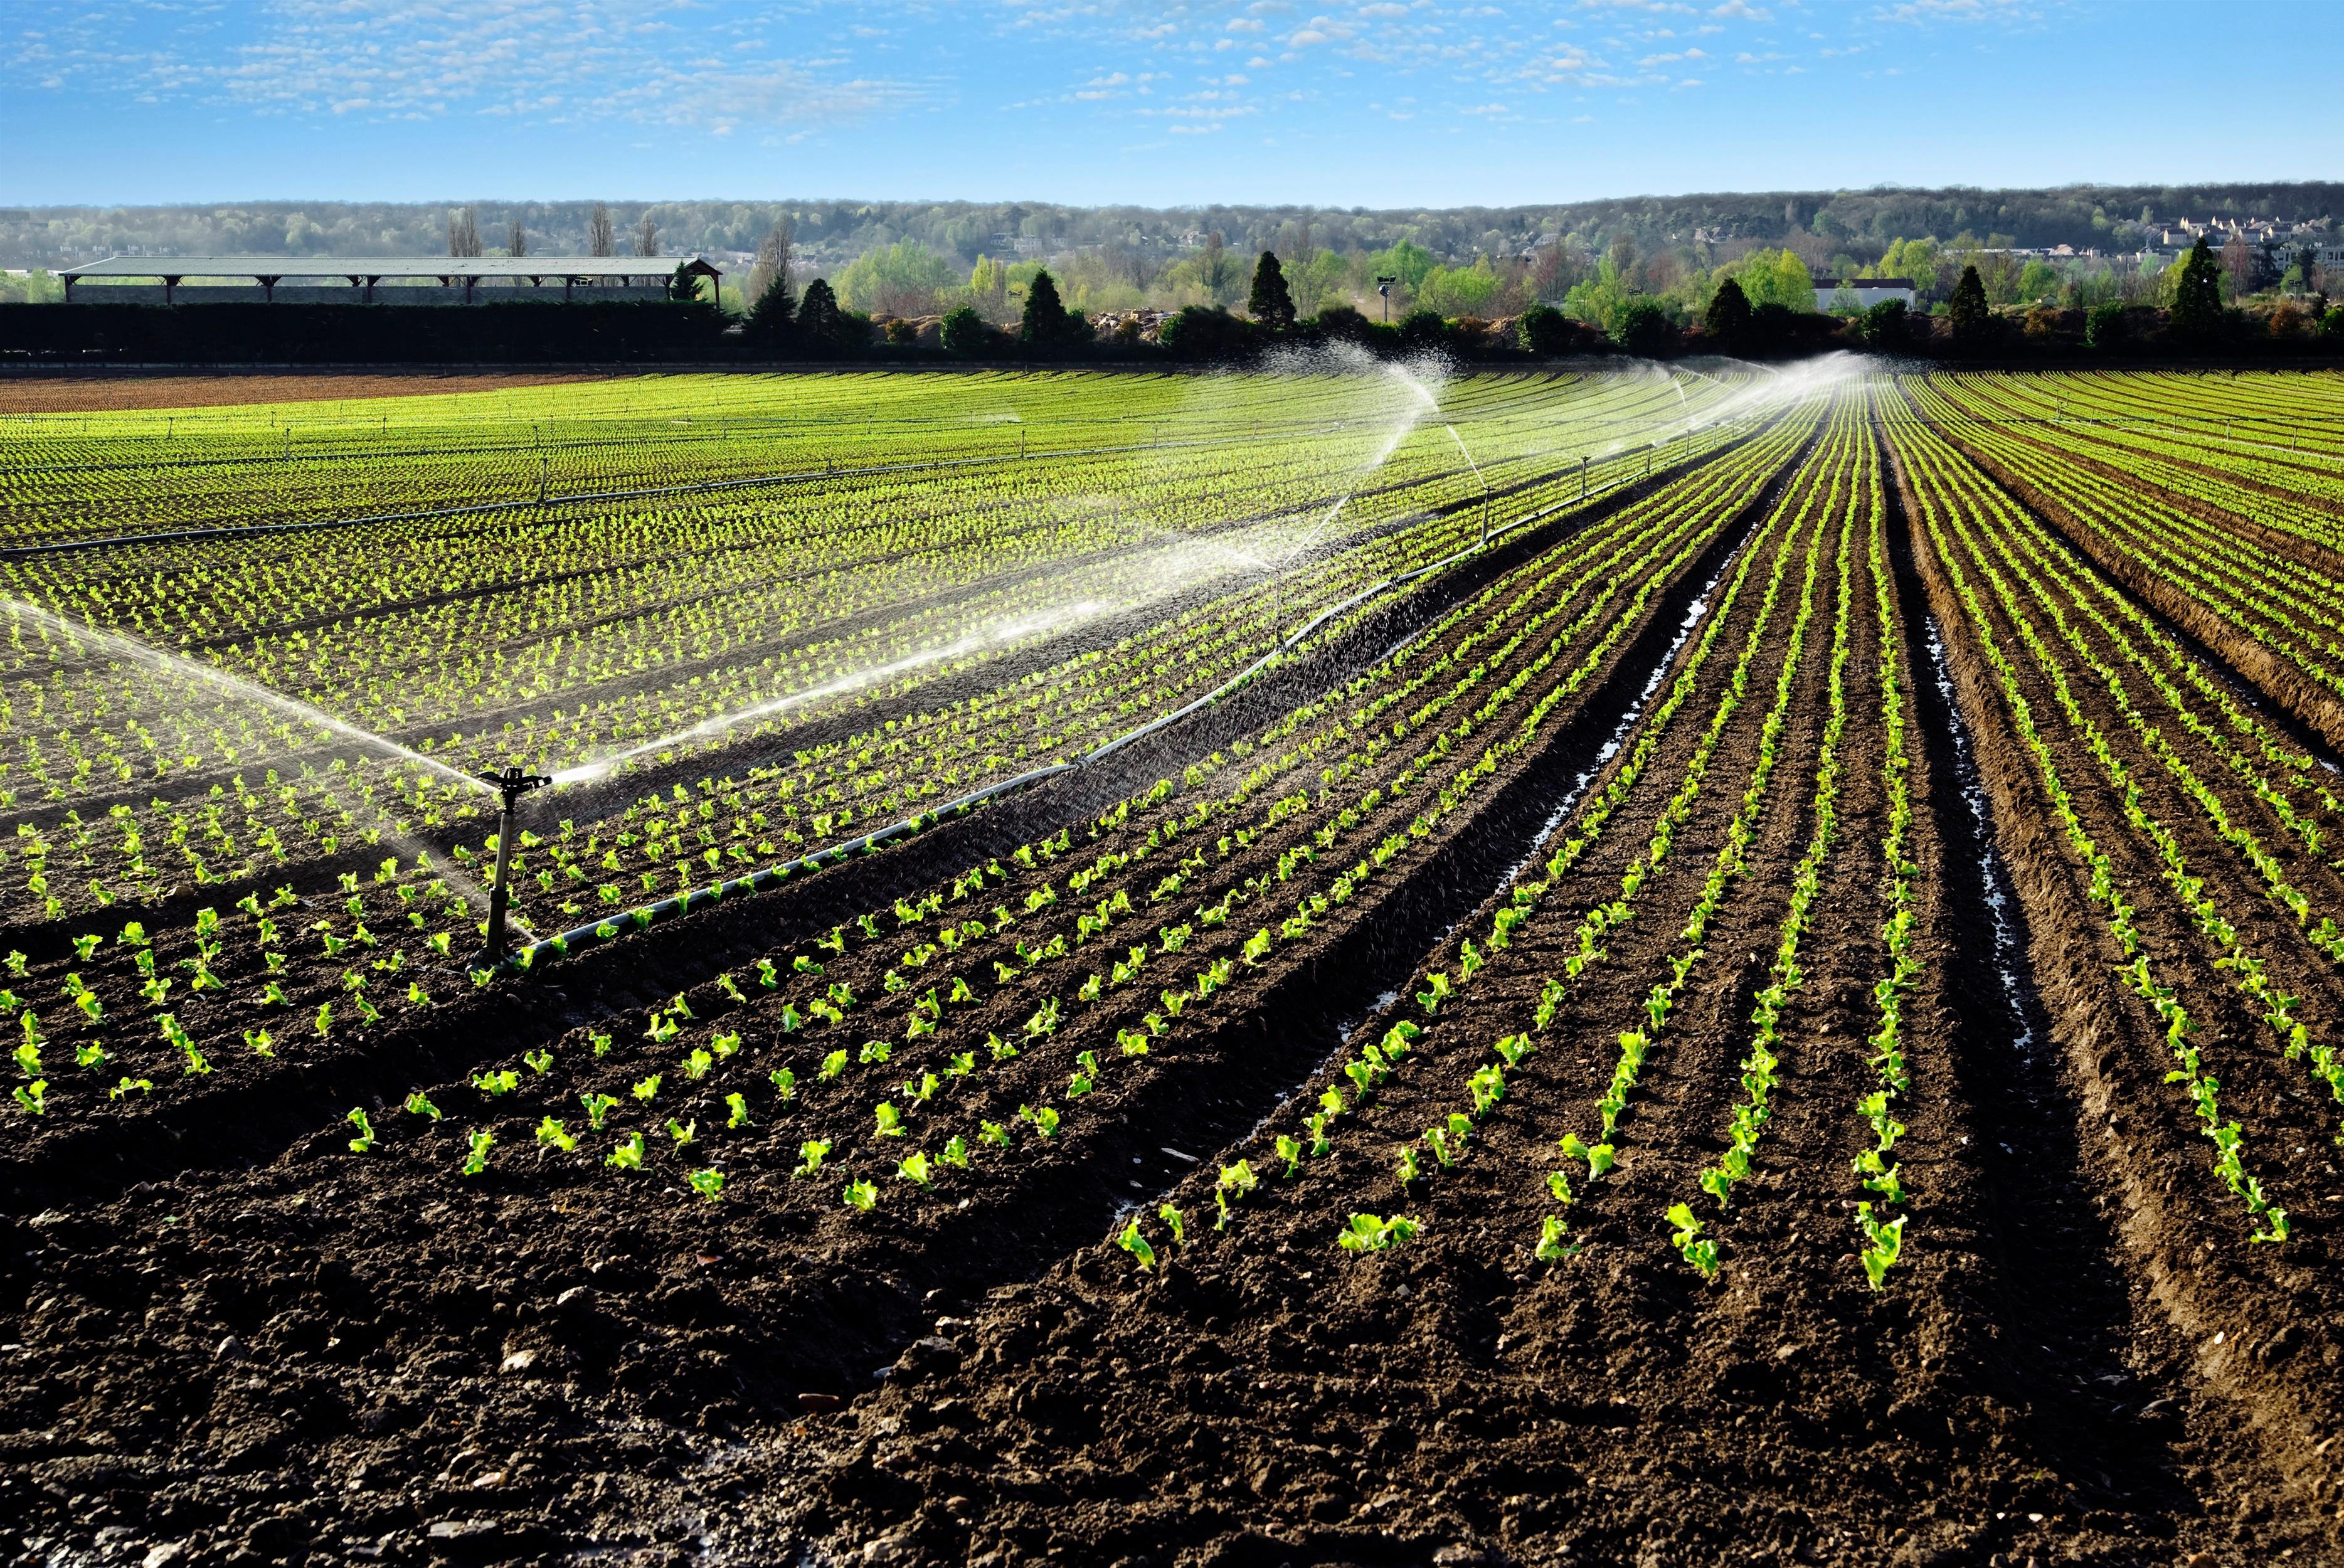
<point x="772" y="261"/>
<point x="464" y="233"/>
<point x="517" y="243"/>
<point x="647" y="237"/>
<point x="600" y="238"/>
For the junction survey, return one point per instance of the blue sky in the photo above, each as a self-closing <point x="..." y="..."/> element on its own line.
<point x="1386" y="103"/>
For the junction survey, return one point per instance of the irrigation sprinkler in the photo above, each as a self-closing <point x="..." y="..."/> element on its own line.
<point x="1582" y="477"/>
<point x="544" y="477"/>
<point x="1384" y="288"/>
<point x="512" y="783"/>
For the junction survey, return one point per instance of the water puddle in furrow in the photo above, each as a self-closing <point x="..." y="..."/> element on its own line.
<point x="1991" y="877"/>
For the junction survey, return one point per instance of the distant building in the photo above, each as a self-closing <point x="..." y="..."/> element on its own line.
<point x="1868" y="291"/>
<point x="377" y="279"/>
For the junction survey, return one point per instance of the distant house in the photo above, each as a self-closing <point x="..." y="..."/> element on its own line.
<point x="1868" y="291"/>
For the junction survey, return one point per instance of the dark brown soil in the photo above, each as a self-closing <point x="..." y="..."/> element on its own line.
<point x="230" y="1335"/>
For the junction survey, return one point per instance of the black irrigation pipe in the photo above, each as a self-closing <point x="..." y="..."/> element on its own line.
<point x="611" y="928"/>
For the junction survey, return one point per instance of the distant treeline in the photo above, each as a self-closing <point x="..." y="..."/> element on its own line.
<point x="786" y="329"/>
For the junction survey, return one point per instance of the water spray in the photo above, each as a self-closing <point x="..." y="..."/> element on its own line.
<point x="512" y="783"/>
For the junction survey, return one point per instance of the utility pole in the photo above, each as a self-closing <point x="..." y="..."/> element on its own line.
<point x="1384" y="288"/>
<point x="512" y="783"/>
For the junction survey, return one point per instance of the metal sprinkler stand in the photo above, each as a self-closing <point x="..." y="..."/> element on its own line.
<point x="512" y="783"/>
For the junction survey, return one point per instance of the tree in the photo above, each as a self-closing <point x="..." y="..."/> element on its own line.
<point x="1727" y="319"/>
<point x="1271" y="304"/>
<point x="771" y="324"/>
<point x="965" y="333"/>
<point x="773" y="260"/>
<point x="600" y="238"/>
<point x="685" y="284"/>
<point x="1968" y="310"/>
<point x="1644" y="329"/>
<point x="1547" y="331"/>
<point x="821" y="326"/>
<point x="1047" y="327"/>
<point x="2197" y="299"/>
<point x="464" y="233"/>
<point x="647" y="237"/>
<point x="517" y="239"/>
<point x="1883" y="325"/>
<point x="2105" y="325"/>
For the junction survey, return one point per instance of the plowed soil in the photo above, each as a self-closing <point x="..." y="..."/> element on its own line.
<point x="232" y="1340"/>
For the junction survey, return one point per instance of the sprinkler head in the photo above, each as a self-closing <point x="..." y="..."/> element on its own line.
<point x="514" y="783"/>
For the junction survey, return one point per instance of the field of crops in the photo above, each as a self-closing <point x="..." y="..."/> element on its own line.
<point x="1336" y="965"/>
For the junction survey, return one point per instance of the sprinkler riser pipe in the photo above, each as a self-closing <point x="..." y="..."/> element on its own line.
<point x="500" y="890"/>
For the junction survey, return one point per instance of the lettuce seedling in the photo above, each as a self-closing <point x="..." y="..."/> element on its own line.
<point x="810" y="1154"/>
<point x="16" y="962"/>
<point x="1366" y="1233"/>
<point x="955" y="1152"/>
<point x="538" y="1060"/>
<point x="726" y="984"/>
<point x="1237" y="1178"/>
<point x="1438" y="1137"/>
<point x="144" y="1086"/>
<point x="34" y="1096"/>
<point x="875" y="1051"/>
<point x="324" y="1022"/>
<point x="1045" y="1120"/>
<point x="724" y="1045"/>
<point x="696" y="1065"/>
<point x="629" y="1154"/>
<point x="993" y="1133"/>
<point x="1289" y="1150"/>
<point x="273" y="995"/>
<point x="1552" y="1247"/>
<point x="598" y="1105"/>
<point x="740" y="1109"/>
<point x="1599" y="1156"/>
<point x="495" y="1085"/>
<point x="785" y="1084"/>
<point x="1408" y="1170"/>
<point x="765" y="975"/>
<point x="554" y="1133"/>
<point x="365" y="1140"/>
<point x="1559" y="1184"/>
<point x="832" y="1065"/>
<point x="477" y="1160"/>
<point x="891" y="1121"/>
<point x="601" y="1044"/>
<point x="91" y="1055"/>
<point x="1177" y="1222"/>
<point x="85" y="946"/>
<point x="924" y="1090"/>
<point x="1002" y="1049"/>
<point x="709" y="1183"/>
<point x="1133" y="1242"/>
<point x="1516" y="1048"/>
<point x="681" y="1131"/>
<point x="28" y="1058"/>
<point x="1882" y="1243"/>
<point x="915" y="1168"/>
<point x="860" y="1195"/>
<point x="1701" y="1255"/>
<point x="648" y="1090"/>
